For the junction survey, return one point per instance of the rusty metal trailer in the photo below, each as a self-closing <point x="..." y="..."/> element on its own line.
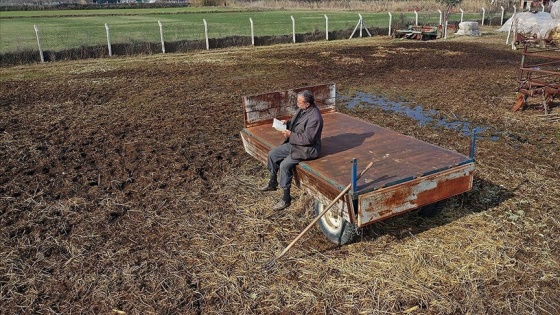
<point x="425" y="32"/>
<point x="407" y="173"/>
<point x="538" y="75"/>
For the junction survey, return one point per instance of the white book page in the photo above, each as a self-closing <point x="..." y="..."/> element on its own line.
<point x="278" y="125"/>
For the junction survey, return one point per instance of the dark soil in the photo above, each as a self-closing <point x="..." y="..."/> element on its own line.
<point x="124" y="187"/>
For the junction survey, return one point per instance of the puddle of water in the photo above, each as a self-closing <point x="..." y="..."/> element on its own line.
<point x="424" y="117"/>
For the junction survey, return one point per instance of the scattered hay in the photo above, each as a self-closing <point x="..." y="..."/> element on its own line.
<point x="125" y="190"/>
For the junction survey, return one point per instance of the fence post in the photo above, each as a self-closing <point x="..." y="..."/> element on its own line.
<point x="439" y="17"/>
<point x="39" y="43"/>
<point x="252" y="32"/>
<point x="513" y="39"/>
<point x="391" y="23"/>
<point x="416" y="14"/>
<point x="502" y="19"/>
<point x="161" y="35"/>
<point x="293" y="28"/>
<point x="361" y="24"/>
<point x="327" y="27"/>
<point x="462" y="14"/>
<point x="483" y="14"/>
<point x="510" y="28"/>
<point x="108" y="40"/>
<point x="206" y="34"/>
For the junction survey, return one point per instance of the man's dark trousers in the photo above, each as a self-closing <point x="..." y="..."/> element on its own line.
<point x="280" y="162"/>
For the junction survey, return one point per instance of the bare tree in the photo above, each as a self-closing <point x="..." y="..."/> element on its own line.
<point x="448" y="5"/>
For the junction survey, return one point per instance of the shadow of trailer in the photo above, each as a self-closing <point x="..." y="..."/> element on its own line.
<point x="407" y="173"/>
<point x="539" y="75"/>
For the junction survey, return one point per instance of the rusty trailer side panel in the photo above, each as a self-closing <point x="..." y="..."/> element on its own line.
<point x="387" y="202"/>
<point x="407" y="173"/>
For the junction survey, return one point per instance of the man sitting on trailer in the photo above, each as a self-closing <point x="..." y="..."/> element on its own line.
<point x="303" y="142"/>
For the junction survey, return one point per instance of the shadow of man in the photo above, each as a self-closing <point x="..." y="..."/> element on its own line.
<point x="342" y="142"/>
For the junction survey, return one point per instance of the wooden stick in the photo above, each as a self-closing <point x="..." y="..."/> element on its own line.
<point x="321" y="214"/>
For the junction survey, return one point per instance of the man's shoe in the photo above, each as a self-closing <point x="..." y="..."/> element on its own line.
<point x="281" y="205"/>
<point x="267" y="188"/>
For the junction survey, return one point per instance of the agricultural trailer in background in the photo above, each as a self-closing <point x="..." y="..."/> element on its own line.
<point x="425" y="32"/>
<point x="417" y="32"/>
<point x="407" y="173"/>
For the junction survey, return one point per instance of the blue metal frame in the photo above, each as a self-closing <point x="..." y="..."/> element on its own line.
<point x="354" y="175"/>
<point x="353" y="192"/>
<point x="473" y="144"/>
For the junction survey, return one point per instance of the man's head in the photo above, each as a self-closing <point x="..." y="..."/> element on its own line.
<point x="305" y="99"/>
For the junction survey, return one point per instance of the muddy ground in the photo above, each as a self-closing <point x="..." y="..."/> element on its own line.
<point x="124" y="187"/>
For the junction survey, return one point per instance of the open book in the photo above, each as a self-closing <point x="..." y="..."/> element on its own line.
<point x="278" y="125"/>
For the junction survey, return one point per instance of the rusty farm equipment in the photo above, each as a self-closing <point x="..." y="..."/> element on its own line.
<point x="539" y="75"/>
<point x="417" y="32"/>
<point x="406" y="173"/>
<point x="425" y="32"/>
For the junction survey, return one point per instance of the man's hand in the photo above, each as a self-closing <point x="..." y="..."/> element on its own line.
<point x="286" y="133"/>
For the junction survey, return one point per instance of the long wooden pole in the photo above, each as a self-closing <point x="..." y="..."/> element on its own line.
<point x="322" y="213"/>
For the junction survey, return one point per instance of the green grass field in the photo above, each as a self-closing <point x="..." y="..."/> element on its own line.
<point x="67" y="29"/>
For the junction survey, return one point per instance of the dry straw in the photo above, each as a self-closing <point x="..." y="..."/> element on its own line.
<point x="124" y="188"/>
<point x="376" y="6"/>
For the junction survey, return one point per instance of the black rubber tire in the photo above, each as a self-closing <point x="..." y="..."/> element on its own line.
<point x="334" y="226"/>
<point x="432" y="209"/>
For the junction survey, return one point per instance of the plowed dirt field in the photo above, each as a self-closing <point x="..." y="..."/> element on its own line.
<point x="124" y="187"/>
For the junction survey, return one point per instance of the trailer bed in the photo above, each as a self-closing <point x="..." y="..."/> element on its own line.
<point x="407" y="173"/>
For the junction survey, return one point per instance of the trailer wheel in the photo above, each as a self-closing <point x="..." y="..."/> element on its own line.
<point x="334" y="226"/>
<point x="432" y="210"/>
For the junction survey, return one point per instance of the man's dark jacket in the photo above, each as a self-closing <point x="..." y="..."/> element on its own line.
<point x="306" y="127"/>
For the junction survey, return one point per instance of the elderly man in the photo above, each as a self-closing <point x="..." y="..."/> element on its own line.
<point x="303" y="142"/>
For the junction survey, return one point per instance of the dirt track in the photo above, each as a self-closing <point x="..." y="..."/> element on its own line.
<point x="124" y="187"/>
